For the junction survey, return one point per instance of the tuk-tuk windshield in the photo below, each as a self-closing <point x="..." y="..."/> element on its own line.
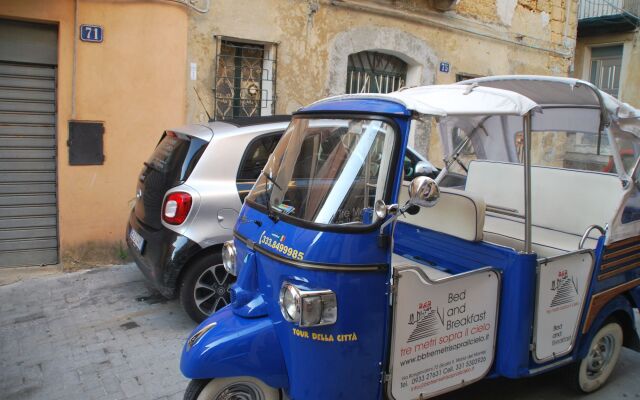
<point x="327" y="171"/>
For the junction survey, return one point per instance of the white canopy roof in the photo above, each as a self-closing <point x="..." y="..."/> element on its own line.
<point x="505" y="95"/>
<point x="495" y="105"/>
<point x="454" y="100"/>
<point x="551" y="91"/>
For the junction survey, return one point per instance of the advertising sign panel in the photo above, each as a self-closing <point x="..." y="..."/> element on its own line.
<point x="562" y="285"/>
<point x="444" y="331"/>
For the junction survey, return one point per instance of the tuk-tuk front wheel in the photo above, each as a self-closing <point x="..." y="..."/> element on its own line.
<point x="236" y="388"/>
<point x="592" y="372"/>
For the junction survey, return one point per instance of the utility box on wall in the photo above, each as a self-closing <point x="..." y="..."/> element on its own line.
<point x="86" y="143"/>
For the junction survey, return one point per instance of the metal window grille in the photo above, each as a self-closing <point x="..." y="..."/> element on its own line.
<point x="463" y="77"/>
<point x="372" y="72"/>
<point x="602" y="8"/>
<point x="244" y="81"/>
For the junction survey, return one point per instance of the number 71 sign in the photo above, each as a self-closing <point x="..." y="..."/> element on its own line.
<point x="91" y="33"/>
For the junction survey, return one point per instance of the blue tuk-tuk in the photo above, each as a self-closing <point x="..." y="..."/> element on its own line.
<point x="522" y="256"/>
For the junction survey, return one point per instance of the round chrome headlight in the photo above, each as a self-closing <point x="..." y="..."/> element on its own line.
<point x="229" y="257"/>
<point x="290" y="303"/>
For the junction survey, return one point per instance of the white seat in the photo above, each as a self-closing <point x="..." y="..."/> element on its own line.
<point x="564" y="203"/>
<point x="457" y="213"/>
<point x="546" y="242"/>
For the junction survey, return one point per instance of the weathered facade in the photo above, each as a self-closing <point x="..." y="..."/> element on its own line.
<point x="252" y="57"/>
<point x="311" y="45"/>
<point x="132" y="83"/>
<point x="608" y="47"/>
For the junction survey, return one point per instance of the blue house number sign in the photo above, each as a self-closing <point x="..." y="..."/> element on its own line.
<point x="444" y="67"/>
<point x="91" y="33"/>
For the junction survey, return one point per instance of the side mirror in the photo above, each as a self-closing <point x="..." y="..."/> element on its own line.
<point x="423" y="192"/>
<point x="424" y="168"/>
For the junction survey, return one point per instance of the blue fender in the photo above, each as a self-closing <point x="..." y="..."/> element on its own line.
<point x="236" y="346"/>
<point x="621" y="307"/>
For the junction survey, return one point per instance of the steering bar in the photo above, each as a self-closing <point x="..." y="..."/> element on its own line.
<point x="588" y="231"/>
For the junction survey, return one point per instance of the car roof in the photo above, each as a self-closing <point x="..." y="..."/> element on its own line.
<point x="247" y="121"/>
<point x="235" y="126"/>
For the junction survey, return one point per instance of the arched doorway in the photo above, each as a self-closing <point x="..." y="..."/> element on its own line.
<point x="419" y="58"/>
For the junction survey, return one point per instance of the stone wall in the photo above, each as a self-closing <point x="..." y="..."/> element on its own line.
<point x="315" y="37"/>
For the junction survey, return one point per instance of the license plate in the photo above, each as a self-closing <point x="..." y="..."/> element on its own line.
<point x="136" y="239"/>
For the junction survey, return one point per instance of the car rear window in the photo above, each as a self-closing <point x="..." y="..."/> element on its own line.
<point x="173" y="159"/>
<point x="176" y="157"/>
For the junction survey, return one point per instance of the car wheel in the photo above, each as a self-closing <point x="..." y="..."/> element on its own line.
<point x="592" y="372"/>
<point x="205" y="287"/>
<point x="240" y="388"/>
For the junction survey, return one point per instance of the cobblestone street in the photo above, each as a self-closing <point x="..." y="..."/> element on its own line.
<point x="102" y="334"/>
<point x="98" y="334"/>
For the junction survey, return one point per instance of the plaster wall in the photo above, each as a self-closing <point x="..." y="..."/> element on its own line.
<point x="135" y="82"/>
<point x="315" y="37"/>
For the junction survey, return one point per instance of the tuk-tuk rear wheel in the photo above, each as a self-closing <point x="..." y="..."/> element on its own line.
<point x="592" y="372"/>
<point x="236" y="388"/>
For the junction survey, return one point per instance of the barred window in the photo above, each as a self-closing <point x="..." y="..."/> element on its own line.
<point x="244" y="80"/>
<point x="372" y="72"/>
<point x="463" y="77"/>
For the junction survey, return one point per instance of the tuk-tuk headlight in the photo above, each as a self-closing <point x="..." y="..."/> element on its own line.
<point x="229" y="257"/>
<point x="290" y="303"/>
<point x="308" y="307"/>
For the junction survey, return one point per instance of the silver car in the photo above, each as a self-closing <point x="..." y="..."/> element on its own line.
<point x="188" y="197"/>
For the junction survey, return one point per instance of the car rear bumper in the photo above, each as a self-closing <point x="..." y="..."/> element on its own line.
<point x="164" y="254"/>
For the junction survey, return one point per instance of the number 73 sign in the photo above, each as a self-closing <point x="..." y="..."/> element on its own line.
<point x="91" y="33"/>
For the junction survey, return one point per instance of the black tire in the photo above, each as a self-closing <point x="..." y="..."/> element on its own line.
<point x="592" y="372"/>
<point x="225" y="388"/>
<point x="194" y="388"/>
<point x="205" y="287"/>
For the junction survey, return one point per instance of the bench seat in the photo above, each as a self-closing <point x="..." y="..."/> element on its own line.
<point x="546" y="242"/>
<point x="564" y="202"/>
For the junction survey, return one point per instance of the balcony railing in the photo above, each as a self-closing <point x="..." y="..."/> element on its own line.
<point x="604" y="8"/>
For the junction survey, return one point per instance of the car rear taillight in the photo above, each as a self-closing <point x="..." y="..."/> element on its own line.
<point x="176" y="208"/>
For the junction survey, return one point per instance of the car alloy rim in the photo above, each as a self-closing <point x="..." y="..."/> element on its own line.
<point x="600" y="355"/>
<point x="240" y="391"/>
<point x="211" y="291"/>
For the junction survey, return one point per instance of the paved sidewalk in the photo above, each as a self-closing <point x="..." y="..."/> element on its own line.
<point x="102" y="334"/>
<point x="98" y="334"/>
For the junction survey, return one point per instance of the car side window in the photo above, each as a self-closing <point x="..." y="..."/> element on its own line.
<point x="408" y="168"/>
<point x="254" y="159"/>
<point x="256" y="156"/>
<point x="410" y="161"/>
